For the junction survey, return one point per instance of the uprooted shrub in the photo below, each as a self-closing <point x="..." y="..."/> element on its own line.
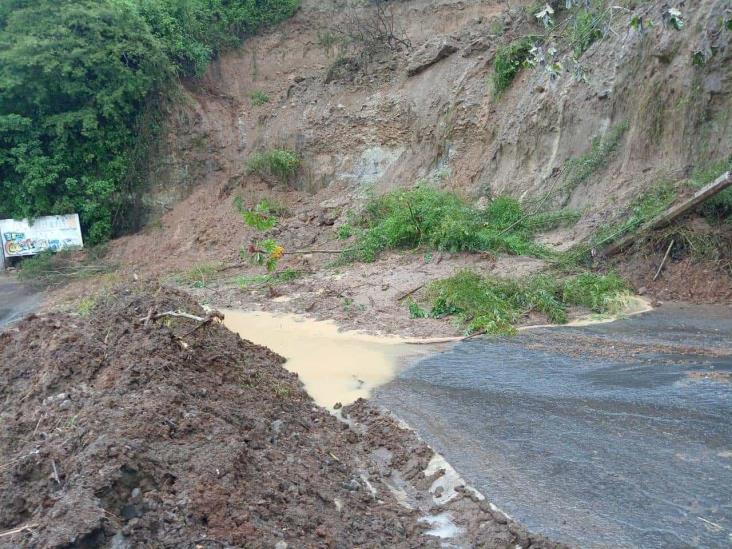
<point x="425" y="217"/>
<point x="494" y="305"/>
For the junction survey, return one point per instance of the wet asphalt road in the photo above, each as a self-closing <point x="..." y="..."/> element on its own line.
<point x="615" y="435"/>
<point x="16" y="300"/>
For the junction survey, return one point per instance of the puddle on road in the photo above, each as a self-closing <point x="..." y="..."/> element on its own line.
<point x="334" y="366"/>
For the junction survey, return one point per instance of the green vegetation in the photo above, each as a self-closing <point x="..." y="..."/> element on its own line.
<point x="508" y="62"/>
<point x="83" y="85"/>
<point x="50" y="269"/>
<point x="264" y="214"/>
<point x="494" y="305"/>
<point x="200" y="275"/>
<point x="579" y="170"/>
<point x="258" y="98"/>
<point x="281" y="164"/>
<point x="271" y="279"/>
<point x="438" y="220"/>
<point x="718" y="207"/>
<point x="587" y="26"/>
<point x="344" y="232"/>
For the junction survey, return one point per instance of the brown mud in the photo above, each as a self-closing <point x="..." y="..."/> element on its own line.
<point x="121" y="432"/>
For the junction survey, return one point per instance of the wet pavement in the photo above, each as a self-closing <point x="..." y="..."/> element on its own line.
<point x="613" y="435"/>
<point x="16" y="300"/>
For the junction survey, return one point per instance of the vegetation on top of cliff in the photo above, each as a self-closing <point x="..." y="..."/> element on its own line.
<point x="494" y="305"/>
<point x="508" y="62"/>
<point x="82" y="84"/>
<point x="439" y="220"/>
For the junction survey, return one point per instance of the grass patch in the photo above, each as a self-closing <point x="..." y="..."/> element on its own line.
<point x="719" y="207"/>
<point x="508" y="62"/>
<point x="258" y="98"/>
<point x="198" y="276"/>
<point x="639" y="212"/>
<point x="282" y="164"/>
<point x="425" y="217"/>
<point x="579" y="170"/>
<point x="494" y="305"/>
<point x="49" y="269"/>
<point x="271" y="279"/>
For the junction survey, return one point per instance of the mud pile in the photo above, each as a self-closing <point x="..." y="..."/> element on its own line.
<point x="121" y="434"/>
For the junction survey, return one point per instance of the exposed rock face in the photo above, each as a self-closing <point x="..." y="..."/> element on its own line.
<point x="383" y="129"/>
<point x="431" y="52"/>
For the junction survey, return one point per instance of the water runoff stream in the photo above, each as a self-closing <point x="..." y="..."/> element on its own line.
<point x="606" y="435"/>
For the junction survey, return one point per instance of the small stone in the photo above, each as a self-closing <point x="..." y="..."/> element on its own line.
<point x="281" y="545"/>
<point x="65" y="405"/>
<point x="277" y="425"/>
<point x="136" y="493"/>
<point x="337" y="406"/>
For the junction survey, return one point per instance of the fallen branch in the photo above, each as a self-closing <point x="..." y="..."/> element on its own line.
<point x="410" y="292"/>
<point x="176" y="314"/>
<point x="663" y="262"/>
<point x="674" y="212"/>
<point x="18" y="530"/>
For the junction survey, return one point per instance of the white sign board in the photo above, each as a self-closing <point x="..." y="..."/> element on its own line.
<point x="53" y="233"/>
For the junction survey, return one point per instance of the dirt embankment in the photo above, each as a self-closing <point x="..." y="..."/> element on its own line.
<point x="121" y="432"/>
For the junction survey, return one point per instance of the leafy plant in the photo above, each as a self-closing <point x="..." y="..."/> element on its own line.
<point x="258" y="98"/>
<point x="262" y="217"/>
<point x="494" y="305"/>
<point x="282" y="164"/>
<point x="508" y="62"/>
<point x="267" y="252"/>
<point x="344" y="232"/>
<point x="587" y="27"/>
<point x="438" y="220"/>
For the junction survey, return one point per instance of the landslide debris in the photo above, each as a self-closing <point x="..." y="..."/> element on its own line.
<point x="120" y="434"/>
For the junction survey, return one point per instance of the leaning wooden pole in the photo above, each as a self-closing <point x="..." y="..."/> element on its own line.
<point x="674" y="212"/>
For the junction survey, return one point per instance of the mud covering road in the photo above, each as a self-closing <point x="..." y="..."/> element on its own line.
<point x="16" y="300"/>
<point x="120" y="429"/>
<point x="621" y="431"/>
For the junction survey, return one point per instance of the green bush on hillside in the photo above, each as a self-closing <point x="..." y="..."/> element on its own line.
<point x="508" y="62"/>
<point x="282" y="164"/>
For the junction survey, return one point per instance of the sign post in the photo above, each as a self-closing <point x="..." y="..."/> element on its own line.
<point x="23" y="238"/>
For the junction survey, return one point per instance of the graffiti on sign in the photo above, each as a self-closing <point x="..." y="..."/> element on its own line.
<point x="53" y="233"/>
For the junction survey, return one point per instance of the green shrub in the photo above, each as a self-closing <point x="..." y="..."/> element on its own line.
<point x="282" y="164"/>
<point x="439" y="220"/>
<point x="258" y="98"/>
<point x="508" y="62"/>
<point x="587" y="27"/>
<point x="494" y="305"/>
<point x="264" y="214"/>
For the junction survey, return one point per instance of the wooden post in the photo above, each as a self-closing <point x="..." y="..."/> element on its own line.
<point x="674" y="212"/>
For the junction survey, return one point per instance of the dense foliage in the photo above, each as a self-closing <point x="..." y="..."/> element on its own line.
<point x="493" y="305"/>
<point x="429" y="218"/>
<point x="80" y="81"/>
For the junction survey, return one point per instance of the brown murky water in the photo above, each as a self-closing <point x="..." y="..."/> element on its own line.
<point x="334" y="366"/>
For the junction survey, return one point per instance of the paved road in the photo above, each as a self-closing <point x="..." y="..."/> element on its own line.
<point x="16" y="300"/>
<point x="616" y="435"/>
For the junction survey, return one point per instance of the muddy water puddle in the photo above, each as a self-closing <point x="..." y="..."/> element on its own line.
<point x="334" y="366"/>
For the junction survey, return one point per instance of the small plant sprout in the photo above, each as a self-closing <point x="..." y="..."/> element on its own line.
<point x="261" y="217"/>
<point x="545" y="16"/>
<point x="672" y="17"/>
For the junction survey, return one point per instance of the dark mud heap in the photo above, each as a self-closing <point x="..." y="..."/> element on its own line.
<point x="118" y="431"/>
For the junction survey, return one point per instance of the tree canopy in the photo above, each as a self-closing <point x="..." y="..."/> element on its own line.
<point x="76" y="80"/>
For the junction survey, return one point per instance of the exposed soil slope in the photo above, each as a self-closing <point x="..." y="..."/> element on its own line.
<point x="117" y="433"/>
